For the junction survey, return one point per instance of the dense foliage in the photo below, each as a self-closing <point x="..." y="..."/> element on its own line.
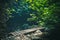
<point x="17" y="14"/>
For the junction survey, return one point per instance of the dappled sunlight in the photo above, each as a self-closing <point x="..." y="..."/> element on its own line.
<point x="22" y="19"/>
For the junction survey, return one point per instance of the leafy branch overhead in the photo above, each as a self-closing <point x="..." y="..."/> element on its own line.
<point x="41" y="11"/>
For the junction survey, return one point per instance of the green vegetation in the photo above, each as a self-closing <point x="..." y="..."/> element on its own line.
<point x="44" y="13"/>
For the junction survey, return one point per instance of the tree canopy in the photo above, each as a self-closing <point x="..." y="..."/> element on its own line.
<point x="16" y="14"/>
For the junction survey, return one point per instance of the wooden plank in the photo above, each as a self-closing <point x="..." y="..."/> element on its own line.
<point x="26" y="31"/>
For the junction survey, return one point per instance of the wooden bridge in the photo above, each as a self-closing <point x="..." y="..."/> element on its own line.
<point x="28" y="34"/>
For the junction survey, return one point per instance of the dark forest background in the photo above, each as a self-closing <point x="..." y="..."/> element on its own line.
<point x="24" y="14"/>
